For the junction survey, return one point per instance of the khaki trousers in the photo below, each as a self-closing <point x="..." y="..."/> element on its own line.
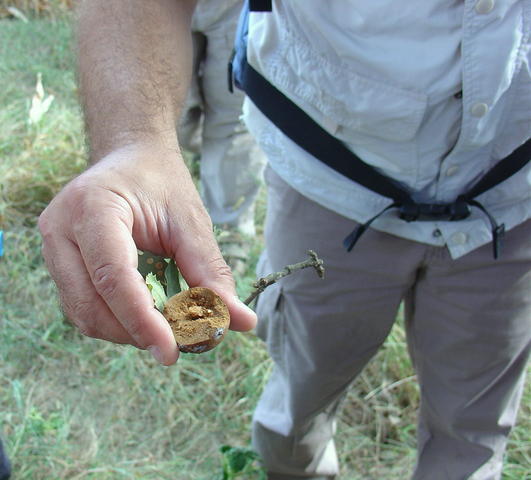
<point x="231" y="163"/>
<point x="468" y="327"/>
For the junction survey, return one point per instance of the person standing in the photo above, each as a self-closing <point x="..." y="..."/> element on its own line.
<point x="230" y="161"/>
<point x="397" y="114"/>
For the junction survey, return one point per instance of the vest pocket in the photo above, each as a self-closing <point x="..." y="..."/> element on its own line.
<point x="337" y="95"/>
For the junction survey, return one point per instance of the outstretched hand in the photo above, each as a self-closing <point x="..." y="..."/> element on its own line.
<point x="140" y="196"/>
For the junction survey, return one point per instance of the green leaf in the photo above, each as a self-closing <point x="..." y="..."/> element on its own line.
<point x="173" y="284"/>
<point x="239" y="458"/>
<point x="157" y="291"/>
<point x="241" y="462"/>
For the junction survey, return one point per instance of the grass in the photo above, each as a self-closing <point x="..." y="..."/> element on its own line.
<point x="76" y="408"/>
<point x="50" y="8"/>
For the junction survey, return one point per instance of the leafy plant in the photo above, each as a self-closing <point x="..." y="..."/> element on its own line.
<point x="239" y="462"/>
<point x="161" y="275"/>
<point x="157" y="291"/>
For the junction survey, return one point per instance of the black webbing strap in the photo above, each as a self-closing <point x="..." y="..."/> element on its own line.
<point x="504" y="169"/>
<point x="309" y="135"/>
<point x="260" y="5"/>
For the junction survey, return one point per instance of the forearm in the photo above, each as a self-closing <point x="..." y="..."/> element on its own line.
<point x="134" y="65"/>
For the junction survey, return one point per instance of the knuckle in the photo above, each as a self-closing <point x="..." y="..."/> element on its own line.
<point x="47" y="228"/>
<point x="81" y="210"/>
<point x="105" y="280"/>
<point x="81" y="199"/>
<point x="44" y="225"/>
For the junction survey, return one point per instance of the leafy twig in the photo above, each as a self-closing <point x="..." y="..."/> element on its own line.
<point x="262" y="283"/>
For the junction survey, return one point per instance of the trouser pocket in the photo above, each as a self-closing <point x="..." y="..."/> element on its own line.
<point x="271" y="323"/>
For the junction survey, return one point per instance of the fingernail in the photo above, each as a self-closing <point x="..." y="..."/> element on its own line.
<point x="157" y="354"/>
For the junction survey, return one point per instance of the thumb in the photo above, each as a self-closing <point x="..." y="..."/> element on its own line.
<point x="201" y="264"/>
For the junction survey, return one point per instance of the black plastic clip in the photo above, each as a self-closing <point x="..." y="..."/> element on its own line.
<point x="498" y="237"/>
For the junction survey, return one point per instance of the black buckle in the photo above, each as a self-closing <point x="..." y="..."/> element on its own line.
<point x="411" y="212"/>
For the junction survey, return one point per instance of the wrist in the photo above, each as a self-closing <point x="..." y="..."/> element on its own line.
<point x="154" y="146"/>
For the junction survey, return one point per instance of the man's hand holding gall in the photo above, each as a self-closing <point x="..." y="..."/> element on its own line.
<point x="138" y="192"/>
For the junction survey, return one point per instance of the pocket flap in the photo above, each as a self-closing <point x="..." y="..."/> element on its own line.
<point x="335" y="93"/>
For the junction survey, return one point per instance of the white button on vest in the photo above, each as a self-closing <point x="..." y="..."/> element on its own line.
<point x="452" y="170"/>
<point x="484" y="6"/>
<point x="459" y="238"/>
<point x="479" y="109"/>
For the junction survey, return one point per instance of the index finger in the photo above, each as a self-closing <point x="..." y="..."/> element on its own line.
<point x="110" y="255"/>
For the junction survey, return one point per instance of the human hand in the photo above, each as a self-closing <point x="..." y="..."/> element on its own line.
<point x="139" y="196"/>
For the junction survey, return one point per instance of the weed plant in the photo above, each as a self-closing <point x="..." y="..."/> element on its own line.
<point x="77" y="408"/>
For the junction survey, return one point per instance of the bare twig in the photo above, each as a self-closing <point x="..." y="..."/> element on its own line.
<point x="389" y="386"/>
<point x="262" y="283"/>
